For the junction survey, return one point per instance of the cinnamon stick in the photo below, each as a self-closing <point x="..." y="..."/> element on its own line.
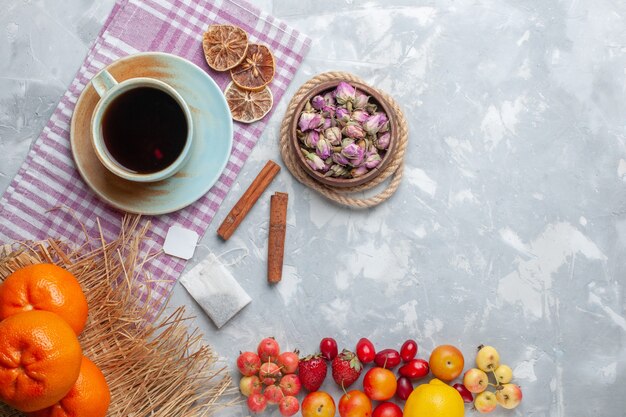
<point x="276" y="241"/>
<point x="247" y="200"/>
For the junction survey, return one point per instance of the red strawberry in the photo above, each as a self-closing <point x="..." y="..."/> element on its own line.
<point x="346" y="368"/>
<point x="312" y="371"/>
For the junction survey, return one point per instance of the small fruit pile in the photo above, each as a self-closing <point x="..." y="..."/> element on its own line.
<point x="43" y="372"/>
<point x="269" y="377"/>
<point x="251" y="66"/>
<point x="476" y="380"/>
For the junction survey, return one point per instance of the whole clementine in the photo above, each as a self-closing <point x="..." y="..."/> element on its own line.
<point x="446" y="362"/>
<point x="90" y="396"/>
<point x="39" y="360"/>
<point x="44" y="287"/>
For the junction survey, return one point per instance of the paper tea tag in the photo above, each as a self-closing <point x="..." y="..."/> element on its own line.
<point x="215" y="289"/>
<point x="180" y="242"/>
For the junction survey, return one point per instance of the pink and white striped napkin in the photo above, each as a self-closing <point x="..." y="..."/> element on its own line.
<point x="48" y="178"/>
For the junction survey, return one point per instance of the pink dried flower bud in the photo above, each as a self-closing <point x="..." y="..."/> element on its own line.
<point x="352" y="151"/>
<point x="382" y="142"/>
<point x="318" y="102"/>
<point x="344" y="93"/>
<point x="323" y="149"/>
<point x="310" y="121"/>
<point x="372" y="161"/>
<point x="339" y="158"/>
<point x="328" y="111"/>
<point x="337" y="171"/>
<point x="329" y="98"/>
<point x="353" y="130"/>
<point x="360" y="116"/>
<point x="333" y="135"/>
<point x="374" y="123"/>
<point x="358" y="160"/>
<point x="384" y="128"/>
<point x="314" y="161"/>
<point x="361" y="100"/>
<point x="311" y="138"/>
<point x="342" y="113"/>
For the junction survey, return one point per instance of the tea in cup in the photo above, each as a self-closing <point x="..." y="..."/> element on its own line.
<point x="142" y="128"/>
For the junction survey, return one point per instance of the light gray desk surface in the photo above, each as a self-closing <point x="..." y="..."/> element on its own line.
<point x="509" y="227"/>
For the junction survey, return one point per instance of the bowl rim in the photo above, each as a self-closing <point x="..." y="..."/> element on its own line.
<point x="343" y="182"/>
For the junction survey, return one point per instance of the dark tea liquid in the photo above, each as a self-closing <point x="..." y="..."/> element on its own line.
<point x="144" y="130"/>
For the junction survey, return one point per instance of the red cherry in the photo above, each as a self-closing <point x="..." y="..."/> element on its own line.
<point x="388" y="358"/>
<point x="365" y="350"/>
<point x="465" y="393"/>
<point x="328" y="347"/>
<point x="417" y="368"/>
<point x="387" y="409"/>
<point x="408" y="350"/>
<point x="404" y="388"/>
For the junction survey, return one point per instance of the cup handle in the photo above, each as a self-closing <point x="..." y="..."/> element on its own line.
<point x="103" y="82"/>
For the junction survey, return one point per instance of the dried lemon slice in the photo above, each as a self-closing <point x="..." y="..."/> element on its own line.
<point x="225" y="46"/>
<point x="248" y="106"/>
<point x="256" y="70"/>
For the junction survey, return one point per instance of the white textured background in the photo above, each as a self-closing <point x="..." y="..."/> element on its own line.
<point x="509" y="228"/>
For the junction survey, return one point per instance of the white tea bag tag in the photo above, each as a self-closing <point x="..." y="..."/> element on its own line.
<point x="180" y="242"/>
<point x="215" y="289"/>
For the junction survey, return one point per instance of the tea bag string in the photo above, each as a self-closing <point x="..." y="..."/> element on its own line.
<point x="237" y="260"/>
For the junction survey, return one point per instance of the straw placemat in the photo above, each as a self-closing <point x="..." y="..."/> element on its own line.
<point x="346" y="195"/>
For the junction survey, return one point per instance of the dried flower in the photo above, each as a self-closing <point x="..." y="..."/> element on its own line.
<point x="361" y="100"/>
<point x="374" y="123"/>
<point x="314" y="161"/>
<point x="337" y="171"/>
<point x="333" y="134"/>
<point x="342" y="114"/>
<point x="329" y="98"/>
<point x="318" y="102"/>
<point x="353" y="130"/>
<point x="323" y="148"/>
<point x="371" y="108"/>
<point x="342" y="133"/>
<point x="311" y="138"/>
<point x="351" y="151"/>
<point x="339" y="158"/>
<point x="360" y="116"/>
<point x="328" y="111"/>
<point x="382" y="141"/>
<point x="345" y="93"/>
<point x="310" y="121"/>
<point x="384" y="128"/>
<point x="372" y="160"/>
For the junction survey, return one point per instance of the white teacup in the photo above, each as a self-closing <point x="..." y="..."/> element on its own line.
<point x="109" y="90"/>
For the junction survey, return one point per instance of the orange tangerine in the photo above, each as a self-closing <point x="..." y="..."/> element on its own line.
<point x="40" y="358"/>
<point x="45" y="287"/>
<point x="89" y="397"/>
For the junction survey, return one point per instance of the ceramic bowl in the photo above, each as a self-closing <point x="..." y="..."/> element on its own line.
<point x="376" y="98"/>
